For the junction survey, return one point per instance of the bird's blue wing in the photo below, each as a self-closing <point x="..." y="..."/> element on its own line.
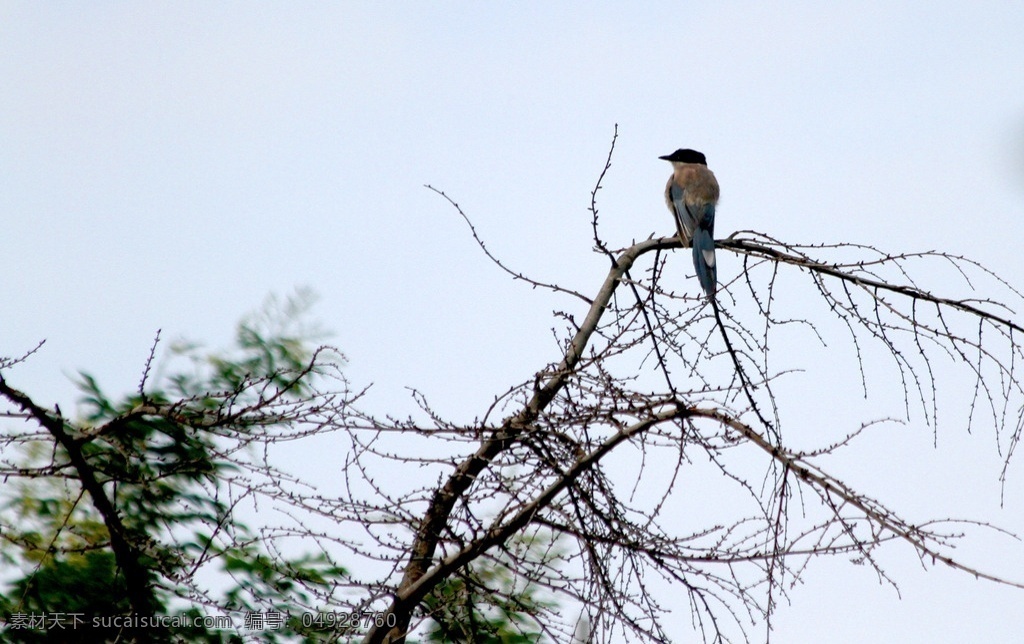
<point x="685" y="223"/>
<point x="704" y="246"/>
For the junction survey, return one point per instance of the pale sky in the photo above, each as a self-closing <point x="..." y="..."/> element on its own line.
<point x="168" y="165"/>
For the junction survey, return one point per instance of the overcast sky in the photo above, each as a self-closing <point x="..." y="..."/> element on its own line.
<point x="167" y="165"/>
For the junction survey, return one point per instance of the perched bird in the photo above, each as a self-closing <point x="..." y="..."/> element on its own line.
<point x="691" y="195"/>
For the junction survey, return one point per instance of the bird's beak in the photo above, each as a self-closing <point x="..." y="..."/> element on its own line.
<point x="665" y="158"/>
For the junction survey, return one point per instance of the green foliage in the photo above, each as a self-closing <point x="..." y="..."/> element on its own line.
<point x="273" y="344"/>
<point x="81" y="585"/>
<point x="161" y="456"/>
<point x="77" y="583"/>
<point x="487" y="604"/>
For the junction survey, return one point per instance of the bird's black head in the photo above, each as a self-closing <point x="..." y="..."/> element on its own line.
<point x="686" y="155"/>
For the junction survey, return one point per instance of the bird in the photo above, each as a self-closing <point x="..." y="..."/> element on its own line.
<point x="691" y="195"/>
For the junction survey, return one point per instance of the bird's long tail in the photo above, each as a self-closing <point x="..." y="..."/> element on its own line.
<point x="704" y="260"/>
